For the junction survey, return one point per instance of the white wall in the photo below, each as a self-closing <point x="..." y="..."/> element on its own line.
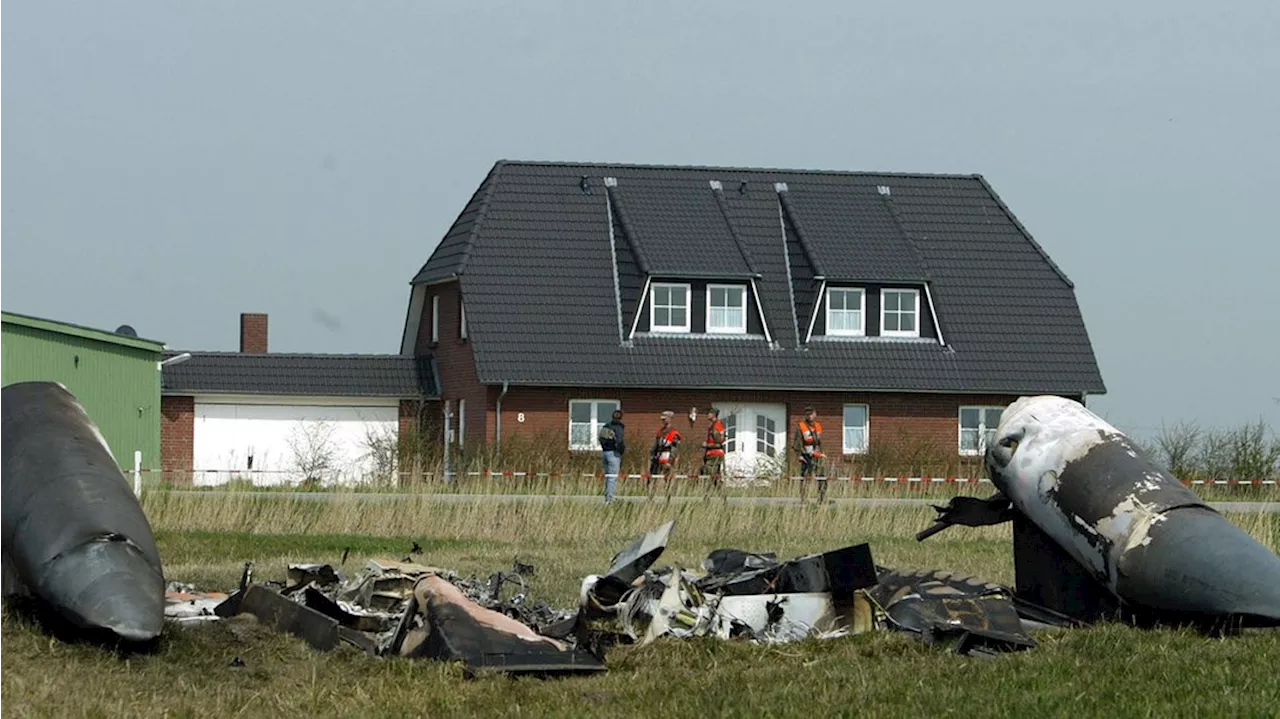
<point x="275" y="434"/>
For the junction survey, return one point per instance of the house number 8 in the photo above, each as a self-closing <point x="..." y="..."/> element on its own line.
<point x="520" y="417"/>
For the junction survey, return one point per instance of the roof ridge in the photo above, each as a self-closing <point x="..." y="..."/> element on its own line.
<point x="1025" y="233"/>
<point x="731" y="168"/>
<point x="790" y="215"/>
<point x="495" y="173"/>
<point x="628" y="230"/>
<point x="723" y="203"/>
<point x="887" y="199"/>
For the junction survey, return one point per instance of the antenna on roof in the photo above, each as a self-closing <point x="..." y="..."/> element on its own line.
<point x="585" y="185"/>
<point x="883" y="189"/>
<point x="126" y="330"/>
<point x="610" y="182"/>
<point x="742" y="188"/>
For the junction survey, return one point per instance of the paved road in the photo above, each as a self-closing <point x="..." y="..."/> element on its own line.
<point x="1236" y="507"/>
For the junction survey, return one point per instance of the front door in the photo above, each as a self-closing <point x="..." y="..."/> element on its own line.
<point x="755" y="439"/>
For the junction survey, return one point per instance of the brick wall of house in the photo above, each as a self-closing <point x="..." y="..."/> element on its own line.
<point x="895" y="418"/>
<point x="177" y="436"/>
<point x="457" y="365"/>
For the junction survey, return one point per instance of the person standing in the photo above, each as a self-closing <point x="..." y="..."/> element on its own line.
<point x="662" y="458"/>
<point x="713" y="448"/>
<point x="808" y="445"/>
<point x="612" y="444"/>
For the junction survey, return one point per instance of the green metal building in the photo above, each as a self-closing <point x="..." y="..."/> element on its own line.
<point x="115" y="376"/>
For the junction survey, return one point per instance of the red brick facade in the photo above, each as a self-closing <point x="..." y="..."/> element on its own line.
<point x="895" y="418"/>
<point x="177" y="435"/>
<point x="457" y="365"/>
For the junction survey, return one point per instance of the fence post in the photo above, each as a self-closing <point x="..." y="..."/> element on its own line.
<point x="137" y="473"/>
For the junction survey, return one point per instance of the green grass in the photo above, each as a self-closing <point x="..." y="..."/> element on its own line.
<point x="1103" y="671"/>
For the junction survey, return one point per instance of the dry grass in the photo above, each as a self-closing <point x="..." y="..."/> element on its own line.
<point x="1105" y="671"/>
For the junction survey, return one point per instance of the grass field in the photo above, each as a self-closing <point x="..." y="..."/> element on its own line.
<point x="1104" y="671"/>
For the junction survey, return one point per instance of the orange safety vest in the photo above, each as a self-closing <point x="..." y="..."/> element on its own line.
<point x="715" y="448"/>
<point x="811" y="438"/>
<point x="666" y="445"/>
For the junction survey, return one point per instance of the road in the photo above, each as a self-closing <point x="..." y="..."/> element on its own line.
<point x="1232" y="507"/>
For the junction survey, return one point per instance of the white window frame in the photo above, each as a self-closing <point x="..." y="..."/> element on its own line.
<point x="866" y="429"/>
<point x="862" y="312"/>
<point x="462" y="319"/>
<point x="462" y="423"/>
<point x="983" y="430"/>
<point x="688" y="306"/>
<point x="883" y="313"/>
<point x="740" y="329"/>
<point x="435" y="318"/>
<point x="596" y="422"/>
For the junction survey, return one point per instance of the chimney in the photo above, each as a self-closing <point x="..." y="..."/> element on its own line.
<point x="253" y="333"/>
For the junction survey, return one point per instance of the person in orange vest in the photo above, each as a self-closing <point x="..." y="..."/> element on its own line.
<point x="808" y="446"/>
<point x="713" y="448"/>
<point x="663" y="455"/>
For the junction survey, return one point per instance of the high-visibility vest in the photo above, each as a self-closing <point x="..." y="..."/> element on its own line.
<point x="665" y="445"/>
<point x="715" y="447"/>
<point x="811" y="438"/>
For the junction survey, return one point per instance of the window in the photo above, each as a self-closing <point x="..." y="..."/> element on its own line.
<point x="435" y="318"/>
<point x="977" y="428"/>
<point x="727" y="308"/>
<point x="462" y="423"/>
<point x="856" y="421"/>
<point x="462" y="320"/>
<point x="899" y="311"/>
<point x="731" y="433"/>
<point x="766" y="436"/>
<point x="586" y="417"/>
<point x="669" y="308"/>
<point x="845" y="310"/>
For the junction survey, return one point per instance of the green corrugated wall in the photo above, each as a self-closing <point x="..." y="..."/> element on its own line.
<point x="118" y="385"/>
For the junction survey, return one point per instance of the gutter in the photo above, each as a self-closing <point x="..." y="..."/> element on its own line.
<point x="497" y="426"/>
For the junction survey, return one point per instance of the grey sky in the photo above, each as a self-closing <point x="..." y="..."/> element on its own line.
<point x="172" y="164"/>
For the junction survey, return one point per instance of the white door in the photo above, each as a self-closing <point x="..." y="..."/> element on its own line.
<point x="756" y="439"/>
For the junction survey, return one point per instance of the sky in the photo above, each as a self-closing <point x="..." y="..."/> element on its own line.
<point x="171" y="165"/>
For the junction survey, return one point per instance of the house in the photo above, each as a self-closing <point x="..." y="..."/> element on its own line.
<point x="114" y="375"/>
<point x="905" y="308"/>
<point x="283" y="418"/>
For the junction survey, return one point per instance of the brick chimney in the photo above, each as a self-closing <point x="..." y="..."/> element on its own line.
<point x="253" y="333"/>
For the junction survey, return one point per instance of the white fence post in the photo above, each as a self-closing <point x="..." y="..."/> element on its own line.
<point x="137" y="473"/>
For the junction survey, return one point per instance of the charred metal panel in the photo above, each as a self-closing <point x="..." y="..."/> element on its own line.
<point x="1051" y="578"/>
<point x="74" y="536"/>
<point x="458" y="629"/>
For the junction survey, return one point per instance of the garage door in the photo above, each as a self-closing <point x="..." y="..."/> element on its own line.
<point x="281" y="443"/>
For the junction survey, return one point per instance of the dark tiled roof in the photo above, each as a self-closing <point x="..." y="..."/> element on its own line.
<point x="332" y="375"/>
<point x="533" y="254"/>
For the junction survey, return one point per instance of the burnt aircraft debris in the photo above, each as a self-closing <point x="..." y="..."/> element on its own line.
<point x="1101" y="532"/>
<point x="76" y="543"/>
<point x="406" y="609"/>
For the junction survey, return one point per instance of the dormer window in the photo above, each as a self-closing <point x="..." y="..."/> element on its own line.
<point x="669" y="307"/>
<point x="900" y="313"/>
<point x="846" y="311"/>
<point x="727" y="309"/>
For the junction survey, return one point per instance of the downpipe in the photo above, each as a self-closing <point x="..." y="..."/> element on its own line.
<point x="497" y="425"/>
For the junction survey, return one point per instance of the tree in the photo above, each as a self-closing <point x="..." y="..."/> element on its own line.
<point x="313" y="453"/>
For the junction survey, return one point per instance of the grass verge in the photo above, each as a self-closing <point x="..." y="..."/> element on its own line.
<point x="237" y="668"/>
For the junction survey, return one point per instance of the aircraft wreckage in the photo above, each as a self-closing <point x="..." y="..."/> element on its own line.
<point x="1099" y="533"/>
<point x="76" y="543"/>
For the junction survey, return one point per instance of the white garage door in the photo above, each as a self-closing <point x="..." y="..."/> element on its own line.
<point x="286" y="443"/>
